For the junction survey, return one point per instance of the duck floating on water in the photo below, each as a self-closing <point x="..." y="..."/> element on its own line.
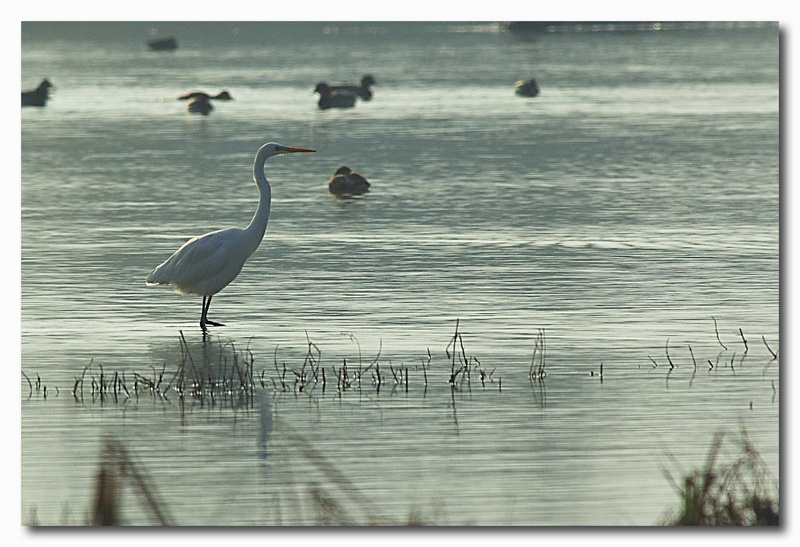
<point x="163" y="44"/>
<point x="329" y="98"/>
<point x="200" y="101"/>
<point x="200" y="105"/>
<point x="527" y="88"/>
<point x="362" y="90"/>
<point x="38" y="96"/>
<point x="346" y="182"/>
<point x="221" y="96"/>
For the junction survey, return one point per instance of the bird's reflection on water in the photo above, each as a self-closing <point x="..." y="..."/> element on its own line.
<point x="205" y="370"/>
<point x="265" y="422"/>
<point x="208" y="371"/>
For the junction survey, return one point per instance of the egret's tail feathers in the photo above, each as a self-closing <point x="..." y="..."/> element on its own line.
<point x="155" y="278"/>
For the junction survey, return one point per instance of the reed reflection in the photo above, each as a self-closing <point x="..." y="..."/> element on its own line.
<point x="203" y="370"/>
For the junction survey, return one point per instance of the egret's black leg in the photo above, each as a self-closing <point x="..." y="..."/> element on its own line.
<point x="204" y="320"/>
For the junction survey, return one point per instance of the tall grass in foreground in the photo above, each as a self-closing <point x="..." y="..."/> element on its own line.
<point x="739" y="493"/>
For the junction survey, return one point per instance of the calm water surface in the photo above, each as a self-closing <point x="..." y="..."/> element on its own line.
<point x="622" y="212"/>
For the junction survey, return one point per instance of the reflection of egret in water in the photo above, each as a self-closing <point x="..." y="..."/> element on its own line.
<point x="265" y="421"/>
<point x="205" y="371"/>
<point x="304" y="487"/>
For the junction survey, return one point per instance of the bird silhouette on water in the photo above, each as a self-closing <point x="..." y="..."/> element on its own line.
<point x="328" y="98"/>
<point x="163" y="44"/>
<point x="221" y="96"/>
<point x="346" y="182"/>
<point x="527" y="88"/>
<point x="200" y="105"/>
<point x="363" y="91"/>
<point x="200" y="102"/>
<point x="37" y="96"/>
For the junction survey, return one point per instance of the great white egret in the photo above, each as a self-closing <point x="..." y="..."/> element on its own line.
<point x="38" y="96"/>
<point x="206" y="264"/>
<point x="329" y="98"/>
<point x="346" y="182"/>
<point x="362" y="90"/>
<point x="526" y="88"/>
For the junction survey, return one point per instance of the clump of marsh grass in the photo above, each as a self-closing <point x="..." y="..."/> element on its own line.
<point x="740" y="493"/>
<point x="330" y="500"/>
<point x="117" y="471"/>
<point x="208" y="374"/>
<point x="726" y="358"/>
<point x="462" y="366"/>
<point x="37" y="386"/>
<point x="212" y="372"/>
<point x="220" y="373"/>
<point x="536" y="371"/>
<point x="333" y="499"/>
<point x="100" y="386"/>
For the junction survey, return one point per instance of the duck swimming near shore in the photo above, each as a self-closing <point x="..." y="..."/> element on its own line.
<point x="37" y="96"/>
<point x="200" y="105"/>
<point x="527" y="88"/>
<point x="221" y="96"/>
<point x="328" y="98"/>
<point x="199" y="102"/>
<point x="163" y="44"/>
<point x="346" y="182"/>
<point x="362" y="90"/>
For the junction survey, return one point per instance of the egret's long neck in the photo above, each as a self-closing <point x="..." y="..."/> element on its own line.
<point x="254" y="232"/>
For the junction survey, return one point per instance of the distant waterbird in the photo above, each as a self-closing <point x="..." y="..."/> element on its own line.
<point x="206" y="264"/>
<point x="163" y="44"/>
<point x="527" y="88"/>
<point x="200" y="102"/>
<point x="346" y="182"/>
<point x="364" y="90"/>
<point x="37" y="96"/>
<point x="328" y="98"/>
<point x="199" y="105"/>
<point x="221" y="96"/>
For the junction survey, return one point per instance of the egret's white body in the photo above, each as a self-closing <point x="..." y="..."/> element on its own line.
<point x="206" y="264"/>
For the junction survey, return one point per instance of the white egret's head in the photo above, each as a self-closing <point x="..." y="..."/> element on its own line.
<point x="274" y="149"/>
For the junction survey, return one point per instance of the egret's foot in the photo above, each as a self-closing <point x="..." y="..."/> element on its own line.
<point x="209" y="323"/>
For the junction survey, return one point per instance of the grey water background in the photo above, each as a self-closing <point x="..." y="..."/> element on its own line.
<point x="623" y="211"/>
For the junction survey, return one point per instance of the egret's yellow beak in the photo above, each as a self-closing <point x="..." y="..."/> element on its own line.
<point x="289" y="149"/>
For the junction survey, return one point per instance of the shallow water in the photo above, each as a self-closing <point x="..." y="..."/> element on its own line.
<point x="623" y="211"/>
